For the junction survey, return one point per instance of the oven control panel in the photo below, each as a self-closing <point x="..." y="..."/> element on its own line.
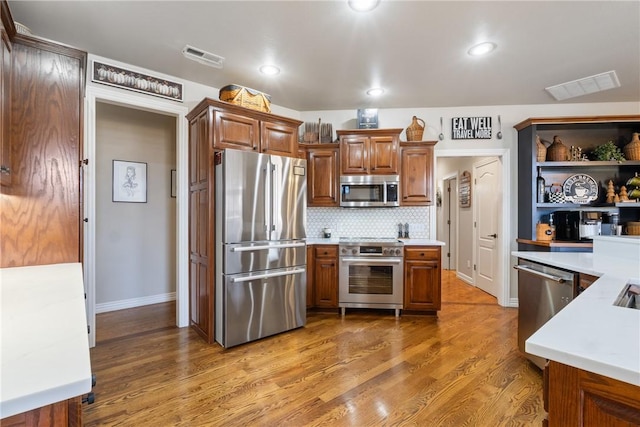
<point x="370" y="250"/>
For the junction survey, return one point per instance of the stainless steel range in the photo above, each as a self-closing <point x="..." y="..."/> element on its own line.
<point x="371" y="271"/>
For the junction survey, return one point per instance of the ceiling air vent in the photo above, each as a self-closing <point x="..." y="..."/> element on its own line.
<point x="203" y="57"/>
<point x="584" y="86"/>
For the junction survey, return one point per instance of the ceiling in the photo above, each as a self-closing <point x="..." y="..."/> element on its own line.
<point x="330" y="55"/>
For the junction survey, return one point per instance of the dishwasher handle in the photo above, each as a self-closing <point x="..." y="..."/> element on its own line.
<point x="535" y="272"/>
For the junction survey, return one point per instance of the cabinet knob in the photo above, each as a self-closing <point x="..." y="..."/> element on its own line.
<point x="255" y="148"/>
<point x="325" y="252"/>
<point x="421" y="253"/>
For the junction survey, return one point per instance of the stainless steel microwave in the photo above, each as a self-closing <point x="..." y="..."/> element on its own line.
<point x="366" y="191"/>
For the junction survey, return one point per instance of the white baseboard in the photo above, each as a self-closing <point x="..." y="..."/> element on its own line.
<point x="513" y="302"/>
<point x="465" y="278"/>
<point x="134" y="302"/>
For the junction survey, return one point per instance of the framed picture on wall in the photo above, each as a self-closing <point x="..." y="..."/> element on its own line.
<point x="173" y="183"/>
<point x="129" y="181"/>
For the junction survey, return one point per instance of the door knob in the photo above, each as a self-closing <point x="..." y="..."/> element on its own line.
<point x="494" y="235"/>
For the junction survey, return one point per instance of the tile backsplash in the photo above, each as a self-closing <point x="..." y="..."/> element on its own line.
<point x="373" y="222"/>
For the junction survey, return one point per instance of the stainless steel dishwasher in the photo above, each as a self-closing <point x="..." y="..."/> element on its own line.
<point x="542" y="292"/>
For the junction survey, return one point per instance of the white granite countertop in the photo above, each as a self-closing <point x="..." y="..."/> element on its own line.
<point x="44" y="343"/>
<point x="591" y="333"/>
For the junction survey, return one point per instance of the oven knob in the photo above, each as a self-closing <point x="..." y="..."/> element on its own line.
<point x="398" y="252"/>
<point x="354" y="251"/>
<point x="344" y="251"/>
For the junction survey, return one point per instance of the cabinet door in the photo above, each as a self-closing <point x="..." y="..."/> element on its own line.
<point x="383" y="155"/>
<point x="325" y="266"/>
<point x="310" y="285"/>
<point x="236" y="131"/>
<point x="422" y="278"/>
<point x="200" y="220"/>
<point x="354" y="155"/>
<point x="322" y="186"/>
<point x="278" y="139"/>
<point x="5" y="97"/>
<point x="417" y="176"/>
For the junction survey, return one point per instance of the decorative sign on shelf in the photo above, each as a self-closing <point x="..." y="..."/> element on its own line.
<point x="131" y="80"/>
<point x="464" y="189"/>
<point x="471" y="128"/>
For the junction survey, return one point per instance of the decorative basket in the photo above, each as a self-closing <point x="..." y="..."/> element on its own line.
<point x="415" y="130"/>
<point x="632" y="149"/>
<point x="245" y="97"/>
<point x="633" y="228"/>
<point x="541" y="154"/>
<point x="557" y="151"/>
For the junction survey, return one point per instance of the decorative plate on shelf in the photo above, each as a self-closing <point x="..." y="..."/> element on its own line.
<point x="580" y="188"/>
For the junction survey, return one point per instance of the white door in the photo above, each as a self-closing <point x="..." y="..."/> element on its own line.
<point x="488" y="191"/>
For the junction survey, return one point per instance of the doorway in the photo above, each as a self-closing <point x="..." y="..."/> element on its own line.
<point x="135" y="238"/>
<point x="94" y="95"/>
<point x="448" y="231"/>
<point x="467" y="252"/>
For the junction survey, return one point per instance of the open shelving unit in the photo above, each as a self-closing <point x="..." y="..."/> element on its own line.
<point x="584" y="132"/>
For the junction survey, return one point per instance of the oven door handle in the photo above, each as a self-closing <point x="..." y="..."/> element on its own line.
<point x="372" y="261"/>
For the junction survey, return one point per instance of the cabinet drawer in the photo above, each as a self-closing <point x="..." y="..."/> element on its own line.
<point x="325" y="251"/>
<point x="422" y="253"/>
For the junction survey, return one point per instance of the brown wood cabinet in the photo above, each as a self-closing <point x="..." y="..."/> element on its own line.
<point x="325" y="276"/>
<point x="232" y="126"/>
<point x="369" y="151"/>
<point x="213" y="127"/>
<point x="417" y="173"/>
<point x="42" y="224"/>
<point x="5" y="97"/>
<point x="422" y="278"/>
<point x="323" y="184"/>
<point x="575" y="397"/>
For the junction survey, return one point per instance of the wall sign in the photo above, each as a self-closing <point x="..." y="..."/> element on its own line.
<point x="471" y="128"/>
<point x="464" y="189"/>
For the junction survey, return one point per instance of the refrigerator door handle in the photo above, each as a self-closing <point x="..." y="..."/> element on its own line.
<point x="262" y="247"/>
<point x="267" y="202"/>
<point x="274" y="196"/>
<point x="267" y="275"/>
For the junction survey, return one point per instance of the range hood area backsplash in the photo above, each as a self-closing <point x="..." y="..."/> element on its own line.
<point x="364" y="222"/>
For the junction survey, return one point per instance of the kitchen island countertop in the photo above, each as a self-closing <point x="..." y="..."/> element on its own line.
<point x="44" y="344"/>
<point x="591" y="333"/>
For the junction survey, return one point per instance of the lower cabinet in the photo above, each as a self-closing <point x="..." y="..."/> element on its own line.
<point x="325" y="276"/>
<point x="422" y="278"/>
<point x="574" y="397"/>
<point x="67" y="413"/>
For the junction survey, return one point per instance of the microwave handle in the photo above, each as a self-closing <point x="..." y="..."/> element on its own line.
<point x="384" y="192"/>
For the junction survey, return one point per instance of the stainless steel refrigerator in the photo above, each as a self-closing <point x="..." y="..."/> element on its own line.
<point x="260" y="248"/>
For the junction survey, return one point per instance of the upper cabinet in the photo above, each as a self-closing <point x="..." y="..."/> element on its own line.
<point x="232" y="126"/>
<point x="557" y="165"/>
<point x="322" y="184"/>
<point x="417" y="173"/>
<point x="369" y="151"/>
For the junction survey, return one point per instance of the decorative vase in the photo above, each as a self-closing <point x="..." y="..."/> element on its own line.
<point x="557" y="151"/>
<point x="541" y="150"/>
<point x="415" y="129"/>
<point x="632" y="149"/>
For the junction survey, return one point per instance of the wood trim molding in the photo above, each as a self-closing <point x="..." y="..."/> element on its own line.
<point x="576" y="119"/>
<point x="7" y="19"/>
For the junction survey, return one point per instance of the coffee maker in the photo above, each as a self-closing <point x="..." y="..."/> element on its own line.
<point x="574" y="226"/>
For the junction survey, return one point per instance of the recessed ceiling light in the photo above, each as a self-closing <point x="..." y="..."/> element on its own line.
<point x="375" y="91"/>
<point x="481" y="49"/>
<point x="269" y="70"/>
<point x="363" y="5"/>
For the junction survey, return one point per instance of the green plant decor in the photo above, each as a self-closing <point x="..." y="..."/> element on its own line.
<point x="608" y="151"/>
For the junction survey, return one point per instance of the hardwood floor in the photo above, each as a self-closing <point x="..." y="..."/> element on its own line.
<point x="366" y="369"/>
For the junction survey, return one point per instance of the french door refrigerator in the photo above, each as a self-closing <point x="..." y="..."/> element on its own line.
<point x="260" y="247"/>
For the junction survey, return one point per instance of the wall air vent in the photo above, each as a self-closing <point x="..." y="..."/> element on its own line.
<point x="203" y="57"/>
<point x="584" y="86"/>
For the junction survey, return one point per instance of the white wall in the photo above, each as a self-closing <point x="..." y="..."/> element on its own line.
<point x="135" y="242"/>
